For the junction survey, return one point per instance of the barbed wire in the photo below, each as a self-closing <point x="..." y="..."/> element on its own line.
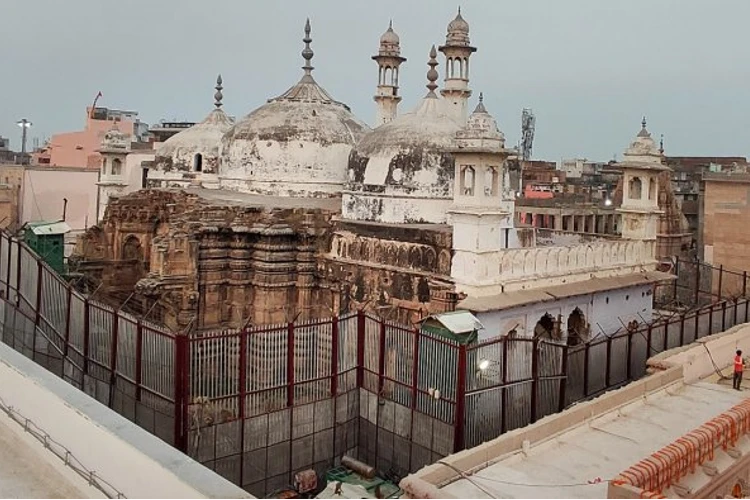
<point x="61" y="452"/>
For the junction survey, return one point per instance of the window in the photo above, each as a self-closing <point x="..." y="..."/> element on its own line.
<point x="117" y="167"/>
<point x="467" y="181"/>
<point x="491" y="181"/>
<point x="104" y="166"/>
<point x="198" y="163"/>
<point x="635" y="188"/>
<point x="651" y="189"/>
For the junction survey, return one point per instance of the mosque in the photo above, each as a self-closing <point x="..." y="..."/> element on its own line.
<point x="300" y="211"/>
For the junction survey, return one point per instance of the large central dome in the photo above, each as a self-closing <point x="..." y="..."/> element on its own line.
<point x="297" y="144"/>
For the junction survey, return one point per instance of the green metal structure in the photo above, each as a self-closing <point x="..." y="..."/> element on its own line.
<point x="47" y="239"/>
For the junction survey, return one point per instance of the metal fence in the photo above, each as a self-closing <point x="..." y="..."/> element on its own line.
<point x="259" y="404"/>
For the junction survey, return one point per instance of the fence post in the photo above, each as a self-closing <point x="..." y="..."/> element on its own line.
<point x="18" y="271"/>
<point x="649" y="334"/>
<point x="86" y="317"/>
<point x="711" y="320"/>
<point x="534" y="378"/>
<point x="38" y="307"/>
<point x="586" y="369"/>
<point x="10" y="265"/>
<point x="608" y="364"/>
<point x="334" y="359"/>
<point x="503" y="419"/>
<point x="361" y="348"/>
<point x="113" y="357"/>
<point x="721" y="276"/>
<point x="381" y="359"/>
<point x="682" y="329"/>
<point x="242" y="375"/>
<point x="458" y="436"/>
<point x="414" y="384"/>
<point x="180" y="391"/>
<point x="724" y="316"/>
<point x="290" y="365"/>
<point x="564" y="379"/>
<point x="697" y="282"/>
<point x="677" y="274"/>
<point x="138" y="358"/>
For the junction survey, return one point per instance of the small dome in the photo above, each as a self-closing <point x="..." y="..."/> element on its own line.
<point x="481" y="130"/>
<point x="390" y="37"/>
<point x="179" y="151"/>
<point x="643" y="152"/>
<point x="114" y="140"/>
<point x="458" y="25"/>
<point x="402" y="171"/>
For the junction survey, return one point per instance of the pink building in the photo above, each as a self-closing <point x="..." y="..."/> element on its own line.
<point x="79" y="149"/>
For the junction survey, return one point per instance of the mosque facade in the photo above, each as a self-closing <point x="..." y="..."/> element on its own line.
<point x="300" y="211"/>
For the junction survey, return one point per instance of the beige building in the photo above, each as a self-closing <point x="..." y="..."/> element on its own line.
<point x="681" y="432"/>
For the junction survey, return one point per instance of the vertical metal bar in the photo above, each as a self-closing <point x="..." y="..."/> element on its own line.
<point x="564" y="379"/>
<point x="649" y="334"/>
<point x="458" y="432"/>
<point x="86" y="332"/>
<point x="723" y="316"/>
<point x="10" y="265"/>
<point x="18" y="270"/>
<point x="682" y="329"/>
<point x="666" y="337"/>
<point x="677" y="274"/>
<point x="744" y="283"/>
<point x="736" y="306"/>
<point x="334" y="356"/>
<point x="747" y="310"/>
<point x="711" y="319"/>
<point x="66" y="334"/>
<point x="381" y="359"/>
<point x="138" y="358"/>
<point x="180" y="403"/>
<point x="697" y="324"/>
<point x="721" y="277"/>
<point x="608" y="364"/>
<point x="503" y="414"/>
<point x="360" y="348"/>
<point x="534" y="378"/>
<point x="697" y="282"/>
<point x="414" y="385"/>
<point x="629" y="367"/>
<point x="38" y="308"/>
<point x="586" y="370"/>
<point x="113" y="357"/>
<point x="243" y="391"/>
<point x="290" y="365"/>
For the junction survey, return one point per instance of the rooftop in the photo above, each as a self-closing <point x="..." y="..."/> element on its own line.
<point x="255" y="200"/>
<point x="53" y="436"/>
<point x="574" y="454"/>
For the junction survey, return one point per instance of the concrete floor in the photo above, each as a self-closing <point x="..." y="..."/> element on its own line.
<point x="25" y="472"/>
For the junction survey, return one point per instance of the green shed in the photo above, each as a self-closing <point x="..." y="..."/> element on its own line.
<point x="47" y="239"/>
<point x="460" y="326"/>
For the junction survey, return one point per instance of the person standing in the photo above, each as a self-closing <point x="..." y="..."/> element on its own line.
<point x="739" y="367"/>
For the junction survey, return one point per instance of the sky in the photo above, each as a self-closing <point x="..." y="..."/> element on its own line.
<point x="589" y="69"/>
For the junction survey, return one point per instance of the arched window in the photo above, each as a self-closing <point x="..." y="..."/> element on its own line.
<point x="491" y="181"/>
<point x="131" y="249"/>
<point x="545" y="327"/>
<point x="198" y="163"/>
<point x="117" y="166"/>
<point x="467" y="180"/>
<point x="577" y="328"/>
<point x="651" y="189"/>
<point x="635" y="188"/>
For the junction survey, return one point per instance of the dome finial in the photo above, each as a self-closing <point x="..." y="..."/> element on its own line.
<point x="218" y="96"/>
<point x="432" y="74"/>
<point x="661" y="144"/>
<point x="643" y="132"/>
<point x="481" y="97"/>
<point x="643" y="122"/>
<point x="390" y="24"/>
<point x="307" y="53"/>
<point x="480" y="106"/>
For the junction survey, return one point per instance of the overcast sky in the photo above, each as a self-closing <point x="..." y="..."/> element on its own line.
<point x="588" y="68"/>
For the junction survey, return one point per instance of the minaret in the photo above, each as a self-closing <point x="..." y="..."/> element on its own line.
<point x="641" y="166"/>
<point x="483" y="203"/>
<point x="457" y="50"/>
<point x="389" y="60"/>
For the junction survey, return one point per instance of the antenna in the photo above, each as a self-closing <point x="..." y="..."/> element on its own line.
<point x="528" y="124"/>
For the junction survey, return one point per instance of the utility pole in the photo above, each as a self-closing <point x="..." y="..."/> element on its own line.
<point x="24" y="124"/>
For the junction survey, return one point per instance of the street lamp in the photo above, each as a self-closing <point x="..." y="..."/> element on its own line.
<point x="24" y="124"/>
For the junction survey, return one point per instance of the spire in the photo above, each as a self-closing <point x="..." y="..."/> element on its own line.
<point x="643" y="132"/>
<point x="218" y="96"/>
<point x="432" y="74"/>
<point x="307" y="53"/>
<point x="390" y="24"/>
<point x="480" y="107"/>
<point x="661" y="144"/>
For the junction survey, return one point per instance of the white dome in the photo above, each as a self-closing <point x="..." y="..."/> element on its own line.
<point x="643" y="150"/>
<point x="403" y="171"/>
<point x="295" y="145"/>
<point x="179" y="151"/>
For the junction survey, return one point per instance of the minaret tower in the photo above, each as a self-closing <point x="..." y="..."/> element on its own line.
<point x="642" y="163"/>
<point x="389" y="60"/>
<point x="457" y="51"/>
